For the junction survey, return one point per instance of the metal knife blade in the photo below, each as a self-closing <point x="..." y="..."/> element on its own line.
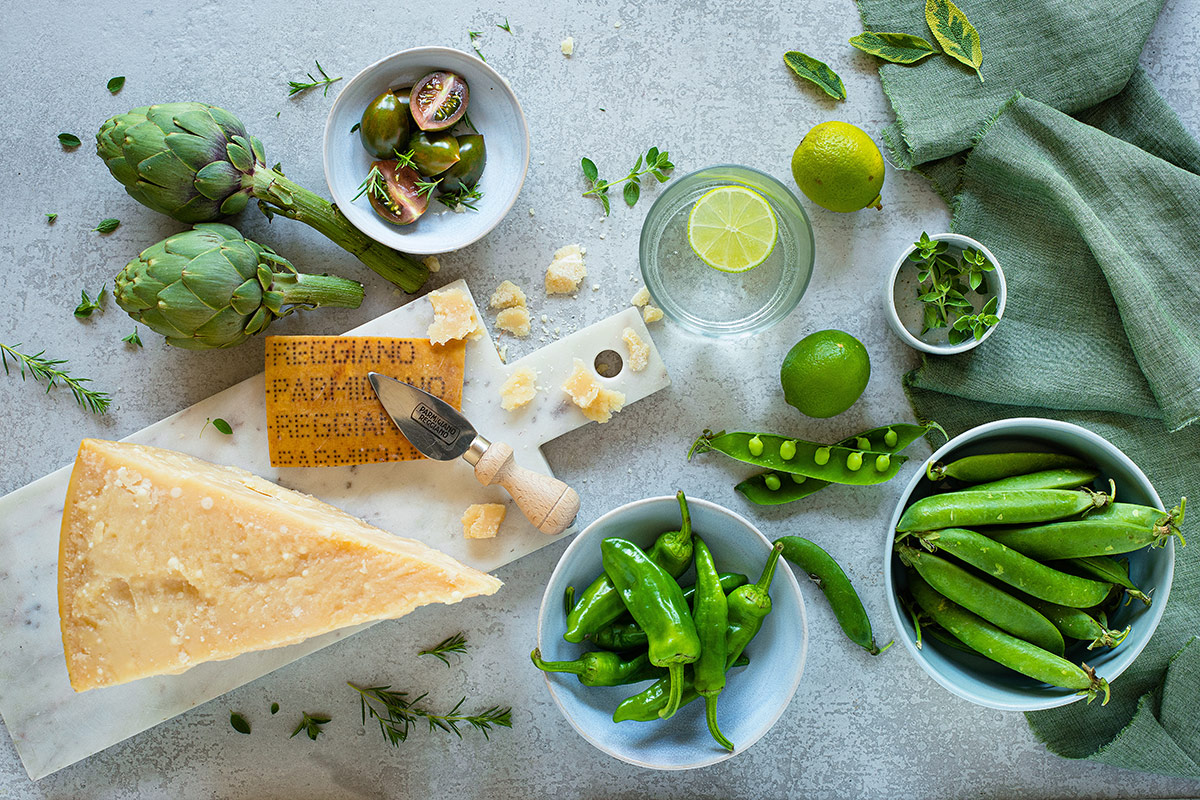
<point x="433" y="426"/>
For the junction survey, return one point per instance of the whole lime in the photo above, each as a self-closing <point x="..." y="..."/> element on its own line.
<point x="838" y="167"/>
<point x="825" y="373"/>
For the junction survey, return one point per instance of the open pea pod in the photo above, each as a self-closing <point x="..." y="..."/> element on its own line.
<point x="812" y="460"/>
<point x="886" y="439"/>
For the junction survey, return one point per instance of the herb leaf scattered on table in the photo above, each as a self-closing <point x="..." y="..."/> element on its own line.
<point x="239" y="723"/>
<point x="296" y="87"/>
<point x="87" y="305"/>
<point x="133" y="338"/>
<point x="311" y="725"/>
<point x="397" y="714"/>
<point x="107" y="225"/>
<point x="50" y="371"/>
<point x="69" y="140"/>
<point x="955" y="33"/>
<point x="116" y="84"/>
<point x="451" y="644"/>
<point x="898" y="48"/>
<point x="653" y="163"/>
<point x="816" y="71"/>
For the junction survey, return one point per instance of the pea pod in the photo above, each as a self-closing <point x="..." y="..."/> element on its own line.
<point x="1106" y="569"/>
<point x="1065" y="478"/>
<point x="969" y="509"/>
<point x="1009" y="566"/>
<point x="994" y="466"/>
<point x="1016" y="654"/>
<point x="628" y="635"/>
<point x="812" y="459"/>
<point x="646" y="705"/>
<point x="832" y="580"/>
<point x="983" y="598"/>
<point x="1122" y="528"/>
<point x="602" y="668"/>
<point x="1079" y="624"/>
<point x="886" y="441"/>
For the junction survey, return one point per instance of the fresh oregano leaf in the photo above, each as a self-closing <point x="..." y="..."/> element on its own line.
<point x="818" y="72"/>
<point x="898" y="48"/>
<point x="108" y="225"/>
<point x="223" y="426"/>
<point x="116" y="84"/>
<point x="274" y="708"/>
<point x="239" y="723"/>
<point x="632" y="192"/>
<point x="954" y="33"/>
<point x="589" y="169"/>
<point x="69" y="140"/>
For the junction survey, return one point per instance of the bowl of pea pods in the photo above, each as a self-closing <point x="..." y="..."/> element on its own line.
<point x="1029" y="563"/>
<point x="670" y="634"/>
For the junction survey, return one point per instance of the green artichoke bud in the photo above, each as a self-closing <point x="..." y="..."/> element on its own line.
<point x="211" y="288"/>
<point x="196" y="163"/>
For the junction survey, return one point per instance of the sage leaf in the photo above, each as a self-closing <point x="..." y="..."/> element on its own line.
<point x="116" y="84"/>
<point x="239" y="723"/>
<point x="818" y="72"/>
<point x="69" y="140"/>
<point x="954" y="33"/>
<point x="898" y="48"/>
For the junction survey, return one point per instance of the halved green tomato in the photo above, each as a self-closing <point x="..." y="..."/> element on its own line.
<point x="472" y="157"/>
<point x="386" y="123"/>
<point x="433" y="153"/>
<point x="438" y="100"/>
<point x="404" y="203"/>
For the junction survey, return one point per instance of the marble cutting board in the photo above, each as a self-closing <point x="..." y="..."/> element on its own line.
<point x="52" y="726"/>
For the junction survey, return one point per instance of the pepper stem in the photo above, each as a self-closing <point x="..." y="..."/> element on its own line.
<point x="676" y="696"/>
<point x="573" y="667"/>
<point x="295" y="202"/>
<point x="317" y="290"/>
<point x="768" y="573"/>
<point x="710" y="714"/>
<point x="686" y="528"/>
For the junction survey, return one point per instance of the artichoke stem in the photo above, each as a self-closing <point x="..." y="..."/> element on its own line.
<point x="318" y="290"/>
<point x="296" y="202"/>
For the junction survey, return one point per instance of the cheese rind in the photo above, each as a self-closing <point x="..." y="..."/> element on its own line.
<point x="167" y="561"/>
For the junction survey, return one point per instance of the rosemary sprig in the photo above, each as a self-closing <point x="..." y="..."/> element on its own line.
<point x="475" y="35"/>
<point x="427" y="188"/>
<point x="373" y="185"/>
<point x="48" y="370"/>
<point x="311" y="725"/>
<point x="397" y="714"/>
<point x="405" y="159"/>
<point x="653" y="162"/>
<point x="505" y="26"/>
<point x="296" y="87"/>
<point x="465" y="197"/>
<point x="451" y="644"/>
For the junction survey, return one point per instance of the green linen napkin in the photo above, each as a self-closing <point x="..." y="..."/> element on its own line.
<point x="1084" y="184"/>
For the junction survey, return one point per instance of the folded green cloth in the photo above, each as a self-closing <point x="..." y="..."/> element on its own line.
<point x="1085" y="185"/>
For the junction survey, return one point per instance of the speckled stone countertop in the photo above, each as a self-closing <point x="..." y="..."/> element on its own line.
<point x="642" y="74"/>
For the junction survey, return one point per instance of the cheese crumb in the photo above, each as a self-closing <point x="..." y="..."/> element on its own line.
<point x="639" y="351"/>
<point x="507" y="295"/>
<point x="641" y="298"/>
<point x="596" y="402"/>
<point x="566" y="270"/>
<point x="519" y="389"/>
<point x="652" y="313"/>
<point x="514" y="321"/>
<point x="453" y="317"/>
<point x="432" y="264"/>
<point x="568" y="46"/>
<point x="482" y="520"/>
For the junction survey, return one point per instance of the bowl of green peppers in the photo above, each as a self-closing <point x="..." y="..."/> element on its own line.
<point x="694" y="649"/>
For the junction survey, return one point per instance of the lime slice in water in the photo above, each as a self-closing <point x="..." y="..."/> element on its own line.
<point x="732" y="228"/>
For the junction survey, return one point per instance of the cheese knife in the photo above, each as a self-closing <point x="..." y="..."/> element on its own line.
<point x="441" y="432"/>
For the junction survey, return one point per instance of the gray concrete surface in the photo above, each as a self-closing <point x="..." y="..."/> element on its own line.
<point x="669" y="75"/>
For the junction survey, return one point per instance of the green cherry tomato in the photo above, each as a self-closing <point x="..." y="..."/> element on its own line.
<point x="433" y="153"/>
<point x="882" y="462"/>
<point x="755" y="446"/>
<point x="772" y="482"/>
<point x="385" y="123"/>
<point x="854" y="462"/>
<point x="787" y="450"/>
<point x="472" y="157"/>
<point x="821" y="457"/>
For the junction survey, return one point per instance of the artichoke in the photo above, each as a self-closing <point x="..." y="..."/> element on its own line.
<point x="196" y="163"/>
<point x="210" y="288"/>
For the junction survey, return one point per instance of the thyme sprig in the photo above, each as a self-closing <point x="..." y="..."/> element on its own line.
<point x="653" y="162"/>
<point x="50" y="371"/>
<point x="296" y="87"/>
<point x="397" y="714"/>
<point x="451" y="644"/>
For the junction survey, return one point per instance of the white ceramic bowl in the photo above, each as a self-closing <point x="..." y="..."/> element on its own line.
<point x="754" y="697"/>
<point x="994" y="281"/>
<point x="493" y="109"/>
<point x="982" y="681"/>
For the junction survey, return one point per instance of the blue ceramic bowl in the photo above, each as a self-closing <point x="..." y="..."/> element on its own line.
<point x="982" y="681"/>
<point x="755" y="697"/>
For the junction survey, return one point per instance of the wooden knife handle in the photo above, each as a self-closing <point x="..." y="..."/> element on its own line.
<point x="549" y="503"/>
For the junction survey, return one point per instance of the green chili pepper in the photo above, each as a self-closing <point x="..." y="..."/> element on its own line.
<point x="569" y="599"/>
<point x="602" y="668"/>
<point x="968" y="509"/>
<point x="886" y="441"/>
<point x="646" y="705"/>
<point x="628" y="635"/>
<point x="994" y="466"/>
<point x="832" y="580"/>
<point x="656" y="602"/>
<point x="710" y="612"/>
<point x="600" y="603"/>
<point x="749" y="606"/>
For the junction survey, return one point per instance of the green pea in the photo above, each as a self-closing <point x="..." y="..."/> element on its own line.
<point x="862" y="444"/>
<point x="787" y="450"/>
<point x="890" y="438"/>
<point x="882" y="462"/>
<point x="756" y="446"/>
<point x="772" y="482"/>
<point x="821" y="457"/>
<point x="798" y="478"/>
<point x="854" y="462"/>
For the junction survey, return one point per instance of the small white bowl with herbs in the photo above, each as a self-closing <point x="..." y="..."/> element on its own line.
<point x="945" y="294"/>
